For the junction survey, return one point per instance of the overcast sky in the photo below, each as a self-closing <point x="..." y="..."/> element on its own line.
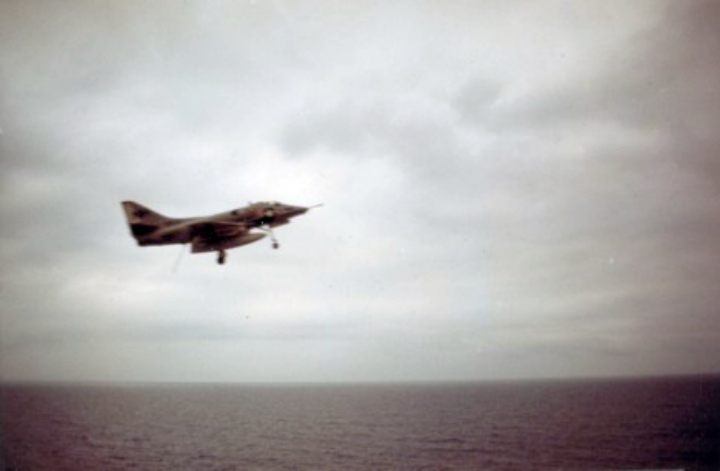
<point x="511" y="189"/>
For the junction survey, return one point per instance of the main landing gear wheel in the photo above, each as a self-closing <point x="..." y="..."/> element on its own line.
<point x="275" y="244"/>
<point x="221" y="257"/>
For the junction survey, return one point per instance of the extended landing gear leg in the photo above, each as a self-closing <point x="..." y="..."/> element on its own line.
<point x="275" y="243"/>
<point x="221" y="257"/>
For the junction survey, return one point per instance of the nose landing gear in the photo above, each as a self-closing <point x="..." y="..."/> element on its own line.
<point x="221" y="257"/>
<point x="268" y="229"/>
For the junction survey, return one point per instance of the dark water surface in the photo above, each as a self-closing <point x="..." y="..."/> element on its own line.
<point x="628" y="424"/>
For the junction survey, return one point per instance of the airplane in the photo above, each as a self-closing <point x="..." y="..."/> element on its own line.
<point x="214" y="233"/>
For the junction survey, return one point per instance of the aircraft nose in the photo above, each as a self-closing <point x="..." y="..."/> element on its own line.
<point x="297" y="210"/>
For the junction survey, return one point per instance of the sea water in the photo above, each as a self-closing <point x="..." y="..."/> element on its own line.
<point x="591" y="424"/>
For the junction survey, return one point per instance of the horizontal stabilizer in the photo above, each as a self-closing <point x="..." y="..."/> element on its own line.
<point x="200" y="244"/>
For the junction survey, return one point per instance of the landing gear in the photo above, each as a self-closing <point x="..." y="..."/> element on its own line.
<point x="221" y="257"/>
<point x="268" y="229"/>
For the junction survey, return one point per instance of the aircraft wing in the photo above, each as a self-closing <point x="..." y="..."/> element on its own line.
<point x="216" y="230"/>
<point x="214" y="235"/>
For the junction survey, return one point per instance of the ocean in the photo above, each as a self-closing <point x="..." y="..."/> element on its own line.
<point x="671" y="423"/>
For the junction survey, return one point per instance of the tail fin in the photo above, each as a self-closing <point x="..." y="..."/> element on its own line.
<point x="142" y="220"/>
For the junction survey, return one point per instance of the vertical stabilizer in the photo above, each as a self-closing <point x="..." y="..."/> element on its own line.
<point x="142" y="220"/>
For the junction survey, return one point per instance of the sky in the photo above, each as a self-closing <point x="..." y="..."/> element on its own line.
<point x="511" y="189"/>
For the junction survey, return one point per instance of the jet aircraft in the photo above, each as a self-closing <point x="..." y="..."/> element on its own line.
<point x="214" y="233"/>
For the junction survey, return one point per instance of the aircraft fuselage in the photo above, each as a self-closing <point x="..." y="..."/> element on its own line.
<point x="216" y="232"/>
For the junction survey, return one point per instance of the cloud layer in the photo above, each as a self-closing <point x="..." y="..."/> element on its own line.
<point x="512" y="189"/>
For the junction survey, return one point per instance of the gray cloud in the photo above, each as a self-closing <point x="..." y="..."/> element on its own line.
<point x="511" y="191"/>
